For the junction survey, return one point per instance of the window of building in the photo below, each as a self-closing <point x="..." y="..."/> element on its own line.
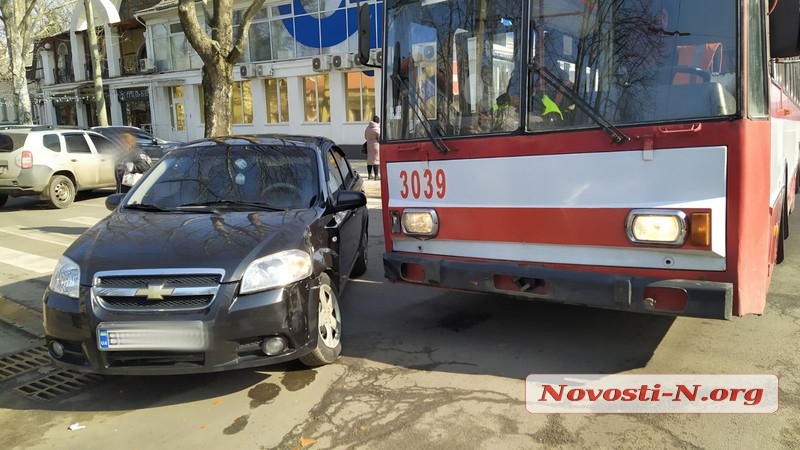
<point x="171" y="49"/>
<point x="178" y="112"/>
<point x="360" y="92"/>
<point x="277" y="100"/>
<point x="317" y="102"/>
<point x="241" y="103"/>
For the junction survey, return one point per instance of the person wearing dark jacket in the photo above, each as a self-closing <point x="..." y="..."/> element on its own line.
<point x="131" y="160"/>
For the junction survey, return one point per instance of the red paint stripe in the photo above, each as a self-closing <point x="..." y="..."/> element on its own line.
<point x="562" y="226"/>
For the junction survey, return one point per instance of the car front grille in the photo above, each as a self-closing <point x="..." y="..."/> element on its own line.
<point x="161" y="290"/>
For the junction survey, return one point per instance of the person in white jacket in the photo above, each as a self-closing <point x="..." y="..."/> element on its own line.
<point x="373" y="135"/>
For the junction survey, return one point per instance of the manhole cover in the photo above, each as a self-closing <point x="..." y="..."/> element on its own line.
<point x="22" y="362"/>
<point x="56" y="384"/>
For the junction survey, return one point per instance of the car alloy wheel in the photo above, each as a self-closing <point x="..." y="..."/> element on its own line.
<point x="329" y="327"/>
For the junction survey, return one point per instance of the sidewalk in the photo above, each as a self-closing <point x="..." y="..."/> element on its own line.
<point x="372" y="188"/>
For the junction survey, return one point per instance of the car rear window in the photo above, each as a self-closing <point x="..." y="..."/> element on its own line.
<point x="10" y="142"/>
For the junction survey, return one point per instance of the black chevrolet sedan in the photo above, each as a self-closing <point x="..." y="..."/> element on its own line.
<point x="229" y="253"/>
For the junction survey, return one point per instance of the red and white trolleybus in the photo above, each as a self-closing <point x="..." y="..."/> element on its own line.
<point x="638" y="155"/>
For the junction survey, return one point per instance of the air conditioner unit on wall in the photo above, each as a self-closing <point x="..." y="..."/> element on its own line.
<point x="247" y="70"/>
<point x="342" y="62"/>
<point x="264" y="70"/>
<point x="376" y="57"/>
<point x="147" y="65"/>
<point x="357" y="60"/>
<point x="321" y="63"/>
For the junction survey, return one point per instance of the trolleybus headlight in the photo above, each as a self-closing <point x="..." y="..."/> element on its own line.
<point x="656" y="226"/>
<point x="420" y="222"/>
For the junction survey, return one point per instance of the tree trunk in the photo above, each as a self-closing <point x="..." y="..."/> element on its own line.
<point x="217" y="82"/>
<point x="16" y="54"/>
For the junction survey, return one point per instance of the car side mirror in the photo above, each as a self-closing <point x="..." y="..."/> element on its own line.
<point x="113" y="200"/>
<point x="346" y="200"/>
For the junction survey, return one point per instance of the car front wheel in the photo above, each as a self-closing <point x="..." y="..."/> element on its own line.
<point x="329" y="327"/>
<point x="60" y="192"/>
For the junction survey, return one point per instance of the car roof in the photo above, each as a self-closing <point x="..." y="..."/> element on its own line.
<point x="318" y="143"/>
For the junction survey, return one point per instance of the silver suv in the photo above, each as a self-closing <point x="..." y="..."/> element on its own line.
<point x="54" y="163"/>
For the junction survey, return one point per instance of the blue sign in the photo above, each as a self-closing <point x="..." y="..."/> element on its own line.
<point x="306" y="28"/>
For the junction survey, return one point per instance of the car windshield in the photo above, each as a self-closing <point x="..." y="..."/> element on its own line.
<point x="474" y="66"/>
<point x="247" y="177"/>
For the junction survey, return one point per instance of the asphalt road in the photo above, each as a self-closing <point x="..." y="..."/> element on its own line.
<point x="422" y="368"/>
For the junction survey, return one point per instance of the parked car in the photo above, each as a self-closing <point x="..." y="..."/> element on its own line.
<point x="153" y="146"/>
<point x="54" y="163"/>
<point x="230" y="252"/>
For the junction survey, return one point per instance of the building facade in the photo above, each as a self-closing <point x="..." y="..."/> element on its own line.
<point x="297" y="74"/>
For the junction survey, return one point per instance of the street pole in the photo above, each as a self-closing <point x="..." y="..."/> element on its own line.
<point x="99" y="98"/>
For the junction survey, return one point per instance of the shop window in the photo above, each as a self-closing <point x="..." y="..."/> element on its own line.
<point x="316" y="104"/>
<point x="277" y="100"/>
<point x="241" y="103"/>
<point x="360" y="92"/>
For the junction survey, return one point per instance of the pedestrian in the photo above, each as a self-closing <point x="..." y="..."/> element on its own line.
<point x="130" y="160"/>
<point x="373" y="135"/>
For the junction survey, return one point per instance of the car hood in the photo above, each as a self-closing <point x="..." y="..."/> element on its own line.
<point x="229" y="241"/>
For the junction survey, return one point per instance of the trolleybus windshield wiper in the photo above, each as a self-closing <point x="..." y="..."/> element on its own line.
<point x="617" y="136"/>
<point x="406" y="91"/>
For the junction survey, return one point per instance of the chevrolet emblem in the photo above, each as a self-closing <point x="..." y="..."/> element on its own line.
<point x="154" y="291"/>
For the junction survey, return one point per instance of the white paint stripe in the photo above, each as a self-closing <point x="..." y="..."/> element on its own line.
<point x="83" y="220"/>
<point x="27" y="261"/>
<point x="36" y="235"/>
<point x="587" y="180"/>
<point x="567" y="254"/>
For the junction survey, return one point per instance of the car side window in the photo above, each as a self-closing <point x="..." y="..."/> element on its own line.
<point x="103" y="145"/>
<point x="344" y="167"/>
<point x="76" y="143"/>
<point x="335" y="182"/>
<point x="51" y="142"/>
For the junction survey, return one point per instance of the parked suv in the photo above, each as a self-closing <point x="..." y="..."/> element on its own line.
<point x="153" y="146"/>
<point x="54" y="163"/>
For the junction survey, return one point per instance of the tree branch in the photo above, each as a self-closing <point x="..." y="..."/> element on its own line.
<point x="244" y="27"/>
<point x="202" y="43"/>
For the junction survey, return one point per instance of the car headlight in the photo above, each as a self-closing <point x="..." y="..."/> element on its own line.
<point x="66" y="278"/>
<point x="420" y="222"/>
<point x="656" y="226"/>
<point x="276" y="270"/>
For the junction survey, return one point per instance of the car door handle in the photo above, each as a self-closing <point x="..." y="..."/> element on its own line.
<point x="74" y="160"/>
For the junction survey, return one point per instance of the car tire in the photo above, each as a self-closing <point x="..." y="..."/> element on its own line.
<point x="60" y="192"/>
<point x="3" y="199"/>
<point x="360" y="266"/>
<point x="329" y="327"/>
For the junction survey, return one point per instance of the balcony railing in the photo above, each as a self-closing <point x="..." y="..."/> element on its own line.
<point x="129" y="65"/>
<point x="64" y="74"/>
<point x="89" y="67"/>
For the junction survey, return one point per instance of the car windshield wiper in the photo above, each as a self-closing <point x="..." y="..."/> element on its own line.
<point x="146" y="207"/>
<point x="413" y="104"/>
<point x="233" y="203"/>
<point x="617" y="136"/>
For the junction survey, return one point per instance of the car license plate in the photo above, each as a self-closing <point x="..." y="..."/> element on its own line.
<point x="187" y="335"/>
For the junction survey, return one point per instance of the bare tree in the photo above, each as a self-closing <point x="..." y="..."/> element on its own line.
<point x="23" y="22"/>
<point x="219" y="52"/>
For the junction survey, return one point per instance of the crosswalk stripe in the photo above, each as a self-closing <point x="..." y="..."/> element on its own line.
<point x="27" y="261"/>
<point x="50" y="238"/>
